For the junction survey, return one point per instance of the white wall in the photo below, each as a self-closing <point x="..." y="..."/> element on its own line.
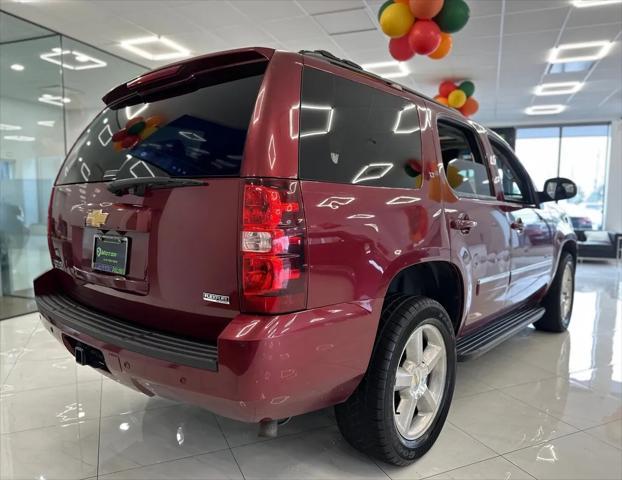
<point x="613" y="200"/>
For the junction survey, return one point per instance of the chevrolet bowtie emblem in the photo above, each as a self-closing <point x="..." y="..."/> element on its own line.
<point x="96" y="218"/>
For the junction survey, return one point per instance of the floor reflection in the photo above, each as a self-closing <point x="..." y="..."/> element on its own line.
<point x="545" y="405"/>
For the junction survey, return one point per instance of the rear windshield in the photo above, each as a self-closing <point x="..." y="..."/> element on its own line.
<point x="197" y="134"/>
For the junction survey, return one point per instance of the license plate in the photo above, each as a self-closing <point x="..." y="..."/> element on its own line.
<point x="110" y="254"/>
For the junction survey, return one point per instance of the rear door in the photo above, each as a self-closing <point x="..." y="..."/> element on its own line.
<point x="531" y="236"/>
<point x="166" y="258"/>
<point x="479" y="232"/>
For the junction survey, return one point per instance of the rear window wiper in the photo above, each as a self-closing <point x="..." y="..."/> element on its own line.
<point x="138" y="186"/>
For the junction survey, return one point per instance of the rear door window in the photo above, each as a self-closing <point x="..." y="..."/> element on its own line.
<point x="463" y="160"/>
<point x="353" y="133"/>
<point x="196" y="134"/>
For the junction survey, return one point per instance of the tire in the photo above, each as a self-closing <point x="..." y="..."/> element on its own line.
<point x="368" y="419"/>
<point x="560" y="298"/>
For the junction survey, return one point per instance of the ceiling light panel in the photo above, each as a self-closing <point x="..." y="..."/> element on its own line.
<point x="545" y="109"/>
<point x="72" y="59"/>
<point x="19" y="138"/>
<point x="53" y="99"/>
<point x="594" y="3"/>
<point x="336" y="23"/>
<point x="558" y="88"/>
<point x="580" y="52"/>
<point x="17" y="67"/>
<point x="7" y="127"/>
<point x="388" y="69"/>
<point x="155" y="48"/>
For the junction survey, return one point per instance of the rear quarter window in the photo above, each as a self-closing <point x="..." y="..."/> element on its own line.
<point x="196" y="134"/>
<point x="356" y="134"/>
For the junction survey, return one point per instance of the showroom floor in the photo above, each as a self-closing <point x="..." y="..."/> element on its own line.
<point x="541" y="405"/>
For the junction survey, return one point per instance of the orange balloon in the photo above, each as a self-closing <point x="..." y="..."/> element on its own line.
<point x="442" y="100"/>
<point x="434" y="189"/>
<point x="425" y="8"/>
<point x="405" y="2"/>
<point x="444" y="47"/>
<point x="154" y="121"/>
<point x="470" y="107"/>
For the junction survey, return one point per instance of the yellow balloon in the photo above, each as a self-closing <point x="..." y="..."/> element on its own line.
<point x="396" y="20"/>
<point x="457" y="98"/>
<point x="454" y="177"/>
<point x="147" y="132"/>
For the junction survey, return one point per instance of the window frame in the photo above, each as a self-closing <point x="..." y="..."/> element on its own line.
<point x="457" y="123"/>
<point x="519" y="171"/>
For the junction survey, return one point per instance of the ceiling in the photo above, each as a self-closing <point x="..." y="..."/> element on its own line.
<point x="504" y="48"/>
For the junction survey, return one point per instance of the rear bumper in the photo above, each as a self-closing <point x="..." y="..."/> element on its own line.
<point x="262" y="367"/>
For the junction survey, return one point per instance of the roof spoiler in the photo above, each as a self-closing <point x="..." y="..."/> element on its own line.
<point x="184" y="71"/>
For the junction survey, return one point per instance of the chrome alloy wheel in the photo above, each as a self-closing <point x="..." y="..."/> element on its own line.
<point x="566" y="293"/>
<point x="419" y="382"/>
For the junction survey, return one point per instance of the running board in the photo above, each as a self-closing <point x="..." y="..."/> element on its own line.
<point x="496" y="332"/>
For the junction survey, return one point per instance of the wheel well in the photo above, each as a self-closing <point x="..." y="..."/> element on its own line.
<point x="570" y="247"/>
<point x="439" y="281"/>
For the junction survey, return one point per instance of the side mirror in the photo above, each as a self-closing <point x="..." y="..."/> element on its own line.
<point x="558" y="188"/>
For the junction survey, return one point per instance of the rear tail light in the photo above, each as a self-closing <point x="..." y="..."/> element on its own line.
<point x="274" y="269"/>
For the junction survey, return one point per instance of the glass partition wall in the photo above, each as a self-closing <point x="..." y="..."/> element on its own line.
<point x="50" y="87"/>
<point x="577" y="152"/>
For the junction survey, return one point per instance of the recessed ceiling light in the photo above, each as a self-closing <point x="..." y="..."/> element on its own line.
<point x="593" y="3"/>
<point x="46" y="123"/>
<point x="19" y="138"/>
<point x="72" y="59"/>
<point x="561" y="88"/>
<point x="53" y="99"/>
<point x="388" y="69"/>
<point x="176" y="50"/>
<point x="545" y="109"/>
<point x="9" y="128"/>
<point x="17" y="67"/>
<point x="583" y="52"/>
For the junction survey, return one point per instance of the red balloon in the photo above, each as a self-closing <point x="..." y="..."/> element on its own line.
<point x="446" y="88"/>
<point x="129" y="141"/>
<point x="399" y="48"/>
<point x="424" y="37"/>
<point x="120" y="135"/>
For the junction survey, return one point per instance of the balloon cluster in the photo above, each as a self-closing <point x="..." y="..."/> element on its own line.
<point x="459" y="97"/>
<point x="422" y="27"/>
<point x="136" y="130"/>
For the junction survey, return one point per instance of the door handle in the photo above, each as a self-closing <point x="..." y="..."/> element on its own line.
<point x="517" y="225"/>
<point x="463" y="224"/>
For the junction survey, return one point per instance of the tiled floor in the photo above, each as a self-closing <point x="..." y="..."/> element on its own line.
<point x="541" y="405"/>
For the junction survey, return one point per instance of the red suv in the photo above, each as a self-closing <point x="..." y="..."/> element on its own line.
<point x="266" y="233"/>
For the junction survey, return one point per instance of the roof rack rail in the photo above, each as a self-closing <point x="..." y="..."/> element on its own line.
<point x="330" y="56"/>
<point x="355" y="66"/>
